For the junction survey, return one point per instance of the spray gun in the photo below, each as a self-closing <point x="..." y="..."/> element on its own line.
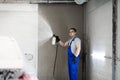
<point x="54" y="40"/>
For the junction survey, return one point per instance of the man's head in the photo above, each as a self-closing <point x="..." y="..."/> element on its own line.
<point x="72" y="32"/>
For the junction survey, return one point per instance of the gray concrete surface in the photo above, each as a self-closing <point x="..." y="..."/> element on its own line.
<point x="57" y="18"/>
<point x="99" y="39"/>
<point x="20" y="22"/>
<point x="118" y="45"/>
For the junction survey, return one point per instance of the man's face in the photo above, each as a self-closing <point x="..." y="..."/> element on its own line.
<point x="72" y="33"/>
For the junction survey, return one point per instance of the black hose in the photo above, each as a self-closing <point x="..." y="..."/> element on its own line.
<point x="55" y="61"/>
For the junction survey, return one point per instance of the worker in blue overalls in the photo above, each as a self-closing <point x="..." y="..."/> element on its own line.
<point x="74" y="47"/>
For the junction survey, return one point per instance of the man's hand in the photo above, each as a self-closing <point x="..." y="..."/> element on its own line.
<point x="60" y="42"/>
<point x="57" y="39"/>
<point x="74" y="60"/>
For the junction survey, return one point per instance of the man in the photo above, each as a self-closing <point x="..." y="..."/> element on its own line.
<point x="74" y="47"/>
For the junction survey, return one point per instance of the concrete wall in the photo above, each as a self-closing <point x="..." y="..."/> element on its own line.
<point x="118" y="45"/>
<point x="57" y="18"/>
<point x="20" y="22"/>
<point x="99" y="39"/>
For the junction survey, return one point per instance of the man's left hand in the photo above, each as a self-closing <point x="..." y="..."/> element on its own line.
<point x="74" y="60"/>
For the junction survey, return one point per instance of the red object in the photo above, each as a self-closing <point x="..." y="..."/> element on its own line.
<point x="21" y="77"/>
<point x="26" y="77"/>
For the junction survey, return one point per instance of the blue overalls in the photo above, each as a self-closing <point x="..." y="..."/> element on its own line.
<point x="72" y="67"/>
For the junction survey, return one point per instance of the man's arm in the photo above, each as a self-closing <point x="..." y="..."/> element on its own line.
<point x="63" y="44"/>
<point x="78" y="47"/>
<point x="77" y="52"/>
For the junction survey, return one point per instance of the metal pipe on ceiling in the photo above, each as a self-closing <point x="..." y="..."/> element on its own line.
<point x="49" y="1"/>
<point x="38" y="1"/>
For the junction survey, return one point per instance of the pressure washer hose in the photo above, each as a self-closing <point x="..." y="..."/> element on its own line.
<point x="54" y="66"/>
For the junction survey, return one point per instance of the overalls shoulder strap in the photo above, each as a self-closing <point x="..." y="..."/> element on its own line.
<point x="72" y="40"/>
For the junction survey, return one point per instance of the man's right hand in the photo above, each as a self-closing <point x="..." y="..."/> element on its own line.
<point x="57" y="39"/>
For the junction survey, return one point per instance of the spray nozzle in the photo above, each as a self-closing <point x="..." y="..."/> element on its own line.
<point x="54" y="35"/>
